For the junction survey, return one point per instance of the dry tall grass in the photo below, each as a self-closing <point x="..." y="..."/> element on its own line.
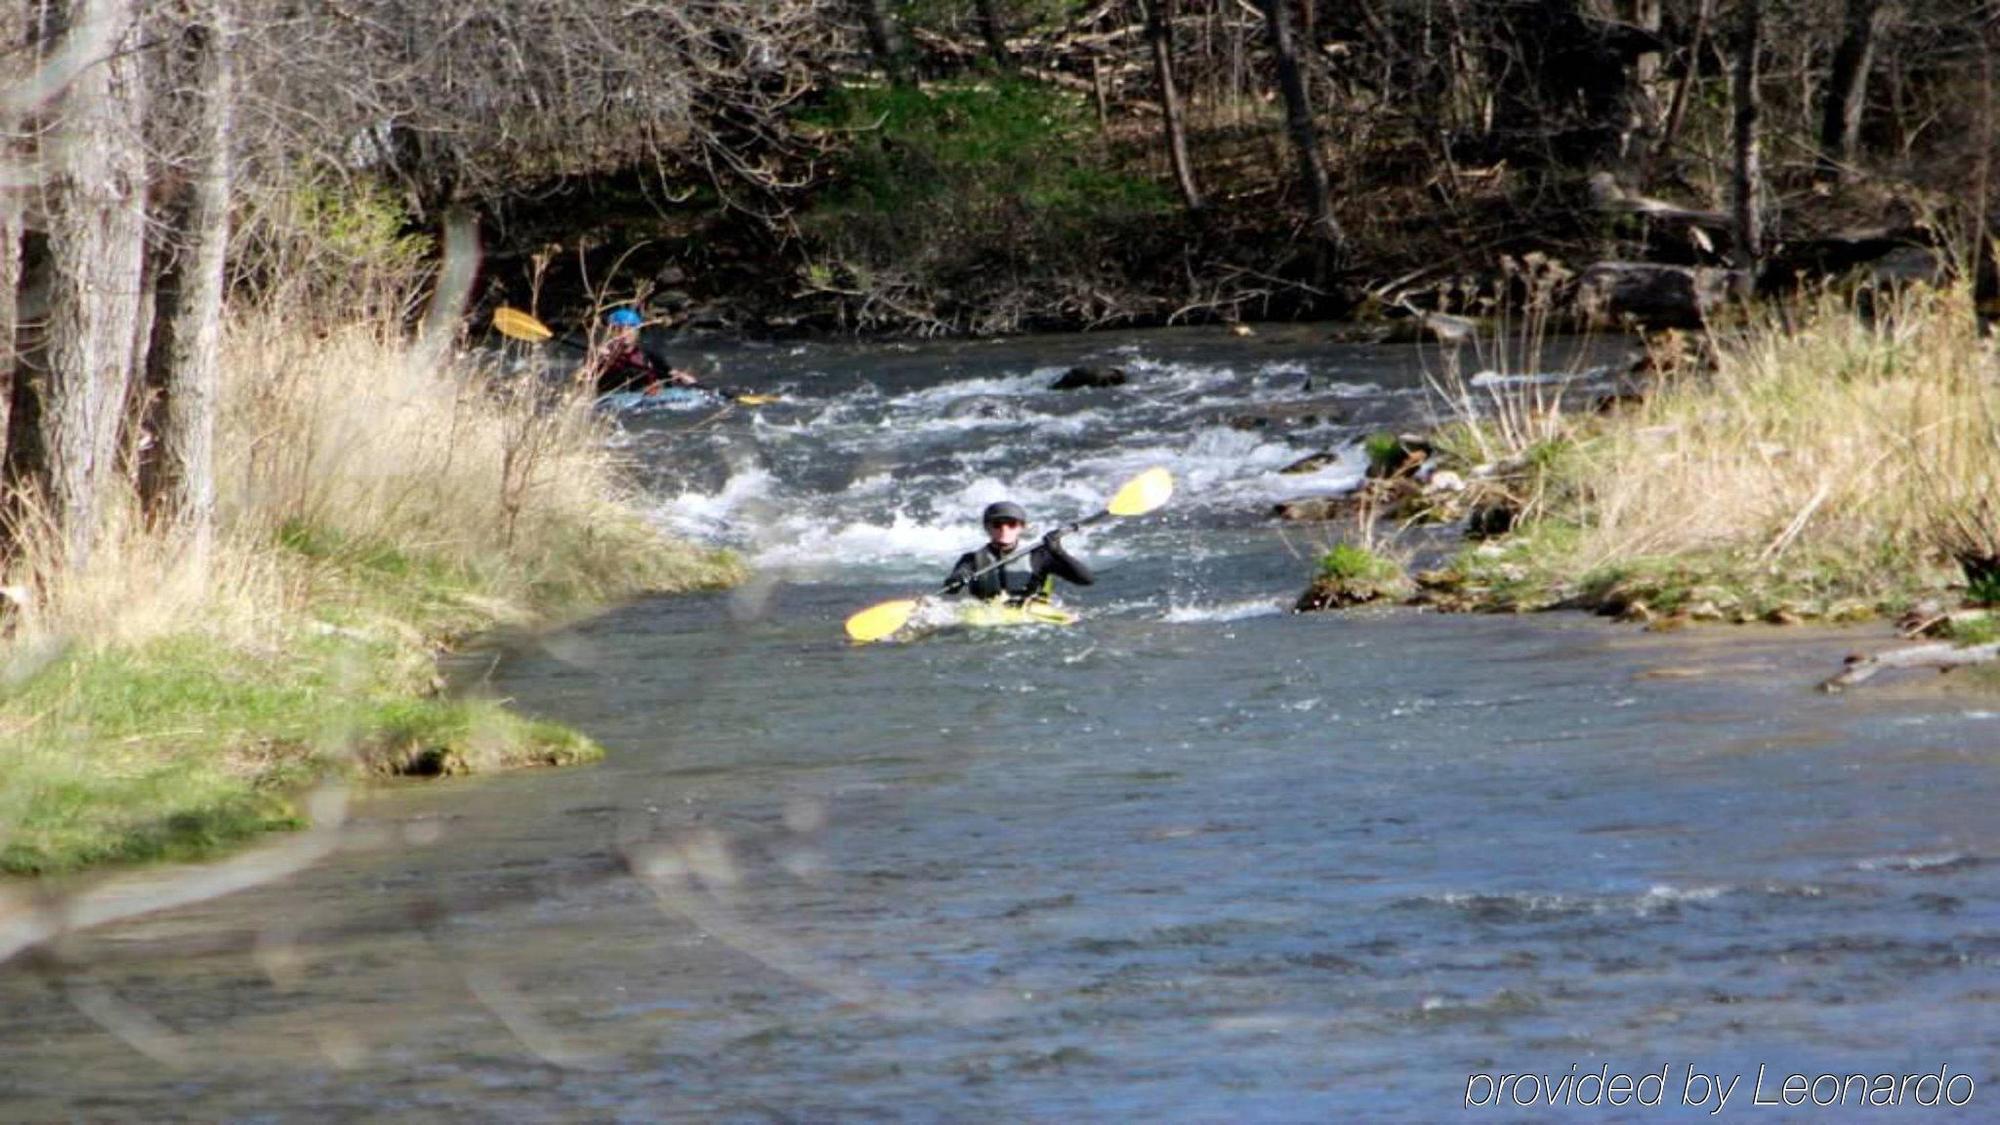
<point x="1846" y="439"/>
<point x="347" y="441"/>
<point x="1829" y="454"/>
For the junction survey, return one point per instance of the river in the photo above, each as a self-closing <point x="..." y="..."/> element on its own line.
<point x="1193" y="859"/>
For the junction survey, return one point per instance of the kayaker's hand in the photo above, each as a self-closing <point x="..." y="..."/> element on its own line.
<point x="1053" y="541"/>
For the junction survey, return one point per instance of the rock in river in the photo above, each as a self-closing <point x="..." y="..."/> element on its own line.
<point x="1078" y="378"/>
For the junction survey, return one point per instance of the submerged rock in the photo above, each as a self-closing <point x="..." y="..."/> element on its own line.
<point x="1288" y="415"/>
<point x="1491" y="519"/>
<point x="1313" y="509"/>
<point x="980" y="406"/>
<point x="1081" y="378"/>
<point x="1340" y="593"/>
<point x="1658" y="296"/>
<point x="1312" y="463"/>
<point x="1397" y="498"/>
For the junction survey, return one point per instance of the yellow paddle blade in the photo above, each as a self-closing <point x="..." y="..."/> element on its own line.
<point x="1142" y="493"/>
<point x="878" y="621"/>
<point x="517" y="325"/>
<point x="758" y="400"/>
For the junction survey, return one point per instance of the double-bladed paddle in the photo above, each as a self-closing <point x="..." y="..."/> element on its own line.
<point x="517" y="325"/>
<point x="1141" y="494"/>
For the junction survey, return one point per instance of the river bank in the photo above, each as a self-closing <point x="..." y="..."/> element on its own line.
<point x="172" y="699"/>
<point x="1823" y="461"/>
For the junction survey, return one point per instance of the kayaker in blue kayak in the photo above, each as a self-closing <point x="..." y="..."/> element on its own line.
<point x="625" y="364"/>
<point x="1031" y="576"/>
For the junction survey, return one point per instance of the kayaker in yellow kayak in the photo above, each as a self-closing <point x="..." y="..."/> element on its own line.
<point x="1030" y="574"/>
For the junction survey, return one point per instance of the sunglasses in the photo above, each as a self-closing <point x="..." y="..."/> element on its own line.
<point x="1005" y="523"/>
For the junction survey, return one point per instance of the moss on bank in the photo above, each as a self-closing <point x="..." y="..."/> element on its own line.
<point x="188" y="742"/>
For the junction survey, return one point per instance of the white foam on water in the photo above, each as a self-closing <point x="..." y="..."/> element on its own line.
<point x="1491" y="378"/>
<point x="1282" y="367"/>
<point x="1227" y="611"/>
<point x="1664" y="893"/>
<point x="873" y="523"/>
<point x="710" y="516"/>
<point x="808" y="549"/>
<point x="1351" y="390"/>
<point x="1004" y="386"/>
<point x="1225" y="467"/>
<point x="1921" y="862"/>
<point x="929" y="460"/>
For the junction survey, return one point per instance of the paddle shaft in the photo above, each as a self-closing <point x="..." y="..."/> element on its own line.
<point x="1024" y="552"/>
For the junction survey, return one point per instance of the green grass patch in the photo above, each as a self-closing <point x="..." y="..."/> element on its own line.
<point x="1540" y="567"/>
<point x="449" y="737"/>
<point x="1978" y="629"/>
<point x="973" y="144"/>
<point x="1347" y="562"/>
<point x="1384" y="451"/>
<point x="188" y="744"/>
<point x="1983" y="588"/>
<point x="961" y="189"/>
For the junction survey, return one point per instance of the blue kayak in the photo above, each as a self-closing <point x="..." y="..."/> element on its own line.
<point x="665" y="398"/>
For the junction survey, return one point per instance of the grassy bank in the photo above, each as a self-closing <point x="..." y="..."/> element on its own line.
<point x="163" y="704"/>
<point x="1827" y="461"/>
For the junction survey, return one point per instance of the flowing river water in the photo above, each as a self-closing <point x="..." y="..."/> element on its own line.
<point x="1194" y="859"/>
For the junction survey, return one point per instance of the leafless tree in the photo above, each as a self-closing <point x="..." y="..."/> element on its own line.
<point x="1160" y="37"/>
<point x="993" y="29"/>
<point x="1847" y="85"/>
<point x="15" y="172"/>
<point x="91" y="154"/>
<point x="1747" y="177"/>
<point x="885" y="40"/>
<point x="184" y="359"/>
<point x="1304" y="133"/>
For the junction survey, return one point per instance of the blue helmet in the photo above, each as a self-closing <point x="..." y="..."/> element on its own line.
<point x="624" y="318"/>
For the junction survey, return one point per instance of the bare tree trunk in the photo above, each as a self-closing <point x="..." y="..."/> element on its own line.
<point x="184" y="363"/>
<point x="884" y="41"/>
<point x="1748" y="177"/>
<point x="1299" y="121"/>
<point x="14" y="25"/>
<point x="1677" y="108"/>
<point x="1985" y="267"/>
<point x="994" y="31"/>
<point x="1309" y="33"/>
<point x="95" y="162"/>
<point x="12" y="230"/>
<point x="1160" y="33"/>
<point x="1847" y="87"/>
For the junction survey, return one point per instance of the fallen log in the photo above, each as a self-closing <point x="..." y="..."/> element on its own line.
<point x="1943" y="657"/>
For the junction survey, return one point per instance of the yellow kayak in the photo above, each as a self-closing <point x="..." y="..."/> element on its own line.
<point x="992" y="614"/>
<point x="934" y="614"/>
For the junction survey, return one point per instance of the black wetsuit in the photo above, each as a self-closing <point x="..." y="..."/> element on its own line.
<point x="1026" y="576"/>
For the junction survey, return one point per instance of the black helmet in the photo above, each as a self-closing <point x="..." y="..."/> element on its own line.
<point x="1004" y="510"/>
